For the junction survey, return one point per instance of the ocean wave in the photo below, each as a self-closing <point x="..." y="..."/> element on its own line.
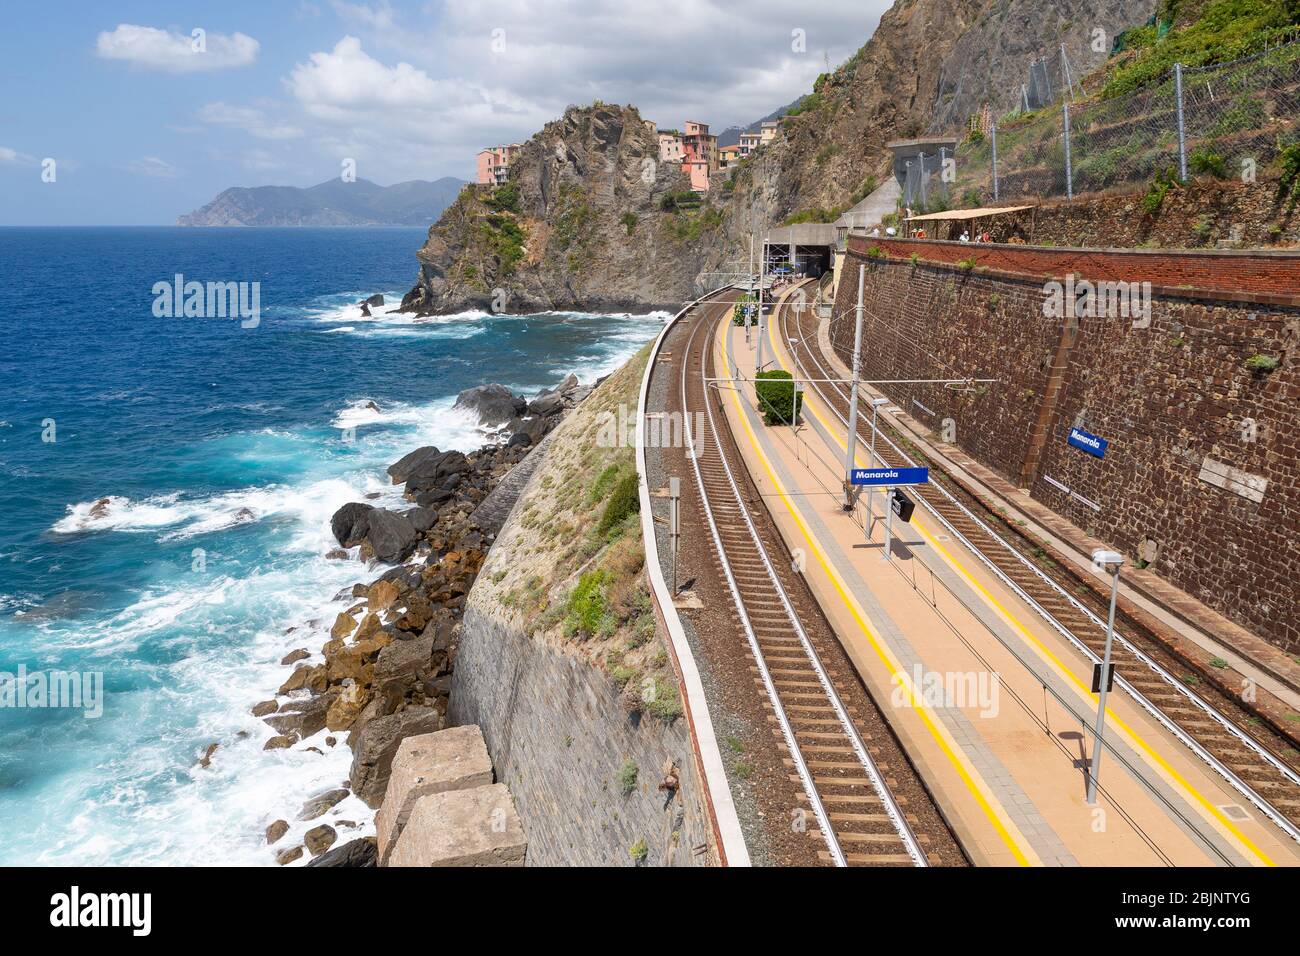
<point x="310" y="504"/>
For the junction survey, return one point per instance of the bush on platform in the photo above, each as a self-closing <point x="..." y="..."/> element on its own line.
<point x="777" y="398"/>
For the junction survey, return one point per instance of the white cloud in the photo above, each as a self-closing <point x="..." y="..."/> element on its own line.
<point x="171" y="52"/>
<point x="154" y="167"/>
<point x="347" y="79"/>
<point x="11" y="157"/>
<point x="247" y="118"/>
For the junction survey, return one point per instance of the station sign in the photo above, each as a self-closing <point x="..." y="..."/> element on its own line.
<point x="1085" y="441"/>
<point x="889" y="477"/>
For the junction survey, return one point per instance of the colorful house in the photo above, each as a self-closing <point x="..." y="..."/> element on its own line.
<point x="493" y="163"/>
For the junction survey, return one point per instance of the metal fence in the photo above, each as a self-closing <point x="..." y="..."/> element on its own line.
<point x="1227" y="120"/>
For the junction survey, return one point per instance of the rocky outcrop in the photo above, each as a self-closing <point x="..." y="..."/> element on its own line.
<point x="582" y="223"/>
<point x="588" y="219"/>
<point x="355" y="853"/>
<point x="384" y="675"/>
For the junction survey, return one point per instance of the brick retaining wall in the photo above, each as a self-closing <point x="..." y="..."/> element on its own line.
<point x="1174" y="400"/>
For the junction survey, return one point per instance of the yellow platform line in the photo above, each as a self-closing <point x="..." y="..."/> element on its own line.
<point x="1002" y="823"/>
<point x="1214" y="813"/>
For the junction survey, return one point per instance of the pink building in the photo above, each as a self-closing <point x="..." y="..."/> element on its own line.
<point x="695" y="149"/>
<point x="670" y="146"/>
<point x="493" y="163"/>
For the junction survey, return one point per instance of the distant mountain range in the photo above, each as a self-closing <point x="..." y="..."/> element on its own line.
<point x="332" y="203"/>
<point x="731" y="135"/>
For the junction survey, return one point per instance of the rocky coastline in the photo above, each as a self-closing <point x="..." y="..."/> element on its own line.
<point x="385" y="672"/>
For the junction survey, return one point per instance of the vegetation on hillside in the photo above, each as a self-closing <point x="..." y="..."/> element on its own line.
<point x="1219" y="31"/>
<point x="572" y="565"/>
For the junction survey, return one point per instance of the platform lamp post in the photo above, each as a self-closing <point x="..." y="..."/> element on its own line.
<point x="851" y="451"/>
<point x="1111" y="562"/>
<point x="762" y="277"/>
<point x="876" y="404"/>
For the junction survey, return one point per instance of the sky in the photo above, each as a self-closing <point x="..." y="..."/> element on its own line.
<point x="132" y="113"/>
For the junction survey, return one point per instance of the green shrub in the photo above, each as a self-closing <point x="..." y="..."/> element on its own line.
<point x="629" y="222"/>
<point x="505" y="198"/>
<point x="666" y="705"/>
<point x="1262" y="363"/>
<point x="623" y="501"/>
<point x="777" y="397"/>
<point x="604" y="481"/>
<point x="1158" y="190"/>
<point x="875" y="252"/>
<point x="1204" y="162"/>
<point x="626" y="777"/>
<point x="587" y="605"/>
<point x="815" y="214"/>
<point x="638" y="851"/>
<point x="738" y="313"/>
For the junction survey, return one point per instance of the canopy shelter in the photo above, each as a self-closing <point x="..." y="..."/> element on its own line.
<point x="964" y="216"/>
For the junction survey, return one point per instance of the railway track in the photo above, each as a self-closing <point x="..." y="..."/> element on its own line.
<point x="1215" y="727"/>
<point x="840" y="750"/>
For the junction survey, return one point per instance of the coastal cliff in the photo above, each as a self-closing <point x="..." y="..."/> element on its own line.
<point x="589" y="220"/>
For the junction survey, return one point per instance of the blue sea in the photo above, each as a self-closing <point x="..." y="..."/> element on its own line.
<point x="166" y="486"/>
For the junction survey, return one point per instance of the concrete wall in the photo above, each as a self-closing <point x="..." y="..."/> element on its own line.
<point x="558" y="734"/>
<point x="1174" y="400"/>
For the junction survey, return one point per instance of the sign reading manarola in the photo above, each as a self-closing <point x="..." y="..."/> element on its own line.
<point x="833" y="435"/>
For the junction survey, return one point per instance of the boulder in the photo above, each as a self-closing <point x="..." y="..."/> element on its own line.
<point x="422" y="519"/>
<point x="344" y="625"/>
<point x="280" y="742"/>
<point x="365" y="310"/>
<point x="356" y="661"/>
<point x="370" y="626"/>
<point x="262" y="708"/>
<point x="534" y="426"/>
<point x="320" y="804"/>
<point x="294" y="656"/>
<point x="569" y="384"/>
<point x="404" y="661"/>
<point x="428" y="500"/>
<point x="390" y="535"/>
<point x="492" y="404"/>
<point x="375" y="746"/>
<point x="276" y="830"/>
<point x="304" y="676"/>
<point x="547" y="404"/>
<point x="347" y="707"/>
<point x="349" y="523"/>
<point x="520" y="439"/>
<point x="288" y="855"/>
<point x="401" y="469"/>
<point x="319" y="839"/>
<point x="376" y="299"/>
<point x="354" y="853"/>
<point x="382" y="596"/>
<point x="302" y="717"/>
<point x="431" y="472"/>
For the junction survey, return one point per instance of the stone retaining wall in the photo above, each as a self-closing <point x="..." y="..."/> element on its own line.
<point x="559" y="736"/>
<point x="1202" y="474"/>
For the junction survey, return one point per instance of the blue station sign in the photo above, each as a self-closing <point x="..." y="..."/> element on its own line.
<point x="889" y="477"/>
<point x="1093" y="444"/>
